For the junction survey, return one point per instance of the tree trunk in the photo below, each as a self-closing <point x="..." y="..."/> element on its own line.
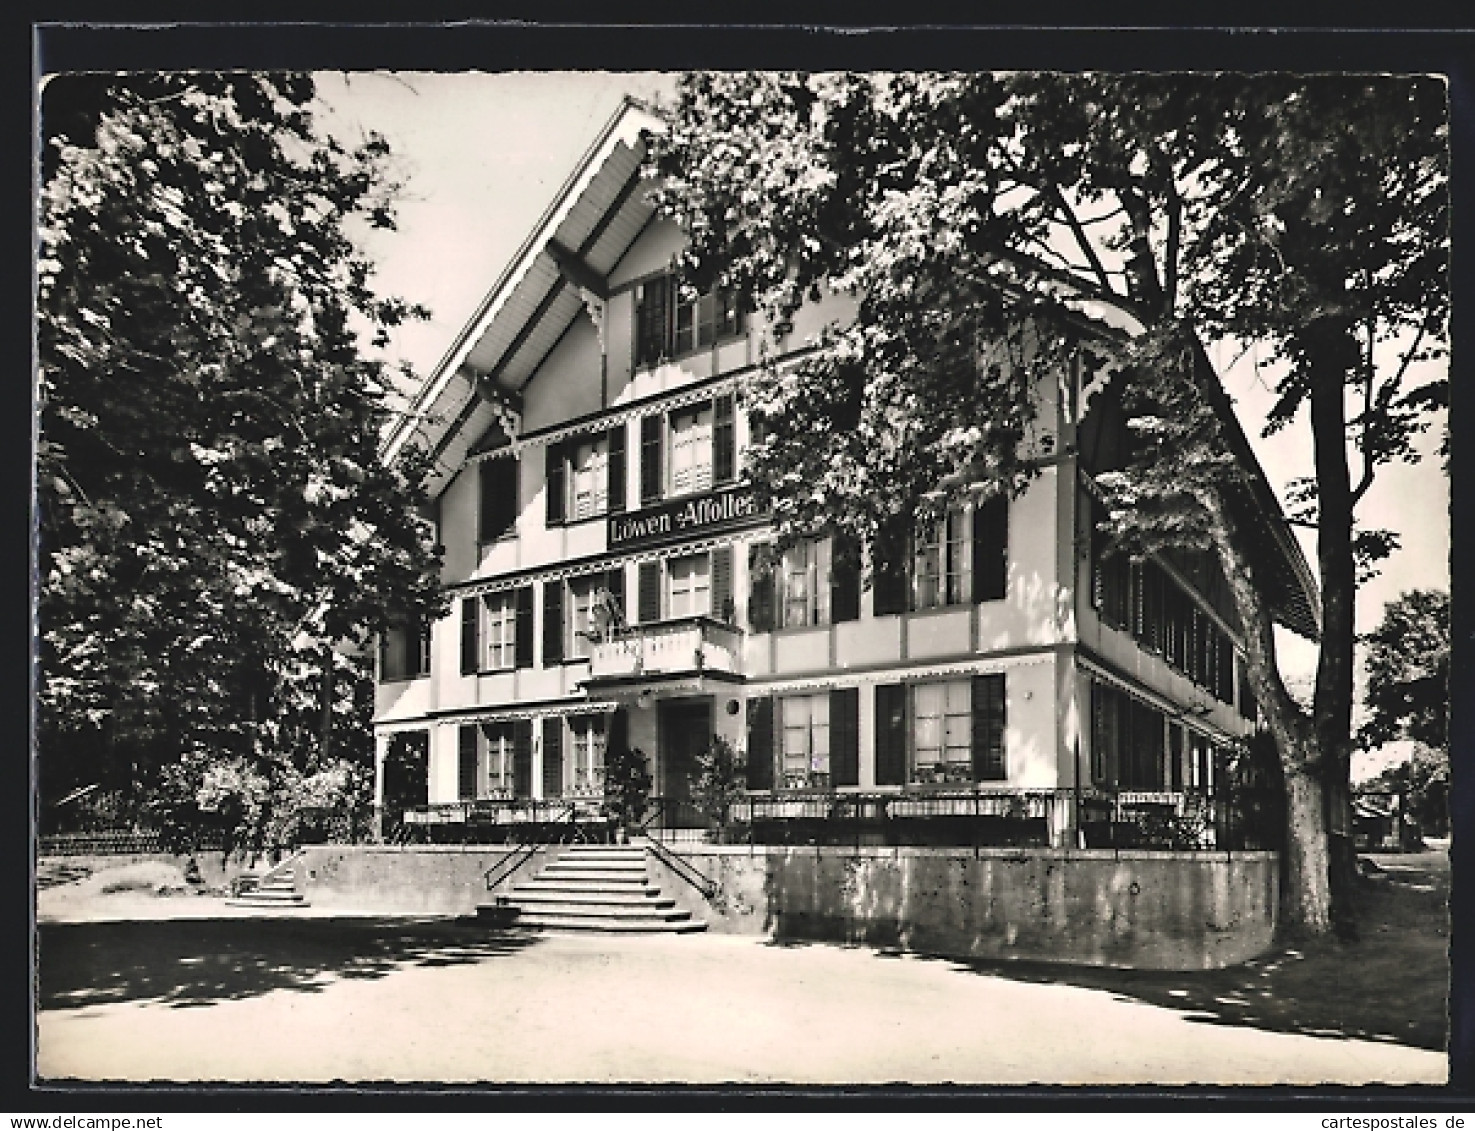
<point x="1306" y="900"/>
<point x="1332" y="351"/>
<point x="1306" y="882"/>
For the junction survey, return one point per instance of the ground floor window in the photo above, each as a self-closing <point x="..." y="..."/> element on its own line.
<point x="806" y="741"/>
<point x="586" y="763"/>
<point x="942" y="732"/>
<point x="496" y="761"/>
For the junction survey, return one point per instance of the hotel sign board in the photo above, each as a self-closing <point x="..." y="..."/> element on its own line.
<point x="681" y="519"/>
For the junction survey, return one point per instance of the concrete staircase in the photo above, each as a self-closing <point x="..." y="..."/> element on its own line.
<point x="598" y="888"/>
<point x="277" y="889"/>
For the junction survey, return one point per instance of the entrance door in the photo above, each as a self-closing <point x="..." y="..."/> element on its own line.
<point x="686" y="730"/>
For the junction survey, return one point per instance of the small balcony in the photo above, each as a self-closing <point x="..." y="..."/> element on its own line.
<point x="699" y="645"/>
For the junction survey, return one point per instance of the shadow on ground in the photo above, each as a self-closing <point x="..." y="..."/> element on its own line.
<point x="197" y="962"/>
<point x="1389" y="985"/>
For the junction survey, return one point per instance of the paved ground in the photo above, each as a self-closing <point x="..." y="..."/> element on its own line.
<point x="359" y="999"/>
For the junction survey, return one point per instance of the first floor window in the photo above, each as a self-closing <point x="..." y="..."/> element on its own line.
<point x="499" y="631"/>
<point x="589" y="479"/>
<point x="806" y="741"/>
<point x="941" y="570"/>
<point x="691" y="450"/>
<point x="496" y="776"/>
<point x="404" y="651"/>
<point x="583" y="593"/>
<point x="587" y="764"/>
<point x="806" y="585"/>
<point x="689" y="586"/>
<point x="942" y="732"/>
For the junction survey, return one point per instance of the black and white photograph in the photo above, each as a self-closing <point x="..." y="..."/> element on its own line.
<point x="742" y="578"/>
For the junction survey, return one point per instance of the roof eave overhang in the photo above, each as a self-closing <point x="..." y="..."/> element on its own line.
<point x="427" y="416"/>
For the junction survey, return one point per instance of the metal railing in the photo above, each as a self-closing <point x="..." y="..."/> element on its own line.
<point x="503" y="869"/>
<point x="683" y="868"/>
<point x="502" y="819"/>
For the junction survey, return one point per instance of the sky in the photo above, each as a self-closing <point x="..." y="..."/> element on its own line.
<point x="482" y="155"/>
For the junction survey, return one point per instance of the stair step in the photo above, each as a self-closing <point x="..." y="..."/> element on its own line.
<point x="591" y="899"/>
<point x="609" y="924"/>
<point x="581" y="864"/>
<point x="247" y="901"/>
<point x="570" y="875"/>
<point x="539" y="887"/>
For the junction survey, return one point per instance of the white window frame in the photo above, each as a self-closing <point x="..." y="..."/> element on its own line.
<point x="580" y="593"/>
<point x="588" y="739"/>
<point x="498" y="633"/>
<point x="688" y="586"/>
<point x="804" y="741"/>
<point x="946" y="744"/>
<point x="942" y="562"/>
<point x="494" y="771"/>
<point x="691" y="433"/>
<point x="804" y="580"/>
<point x="588" y="479"/>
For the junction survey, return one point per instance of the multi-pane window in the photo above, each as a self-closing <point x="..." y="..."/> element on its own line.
<point x="805" y="720"/>
<point x="589" y="479"/>
<point x="496" y="760"/>
<point x="805" y="580"/>
<point x="689" y="586"/>
<point x="942" y="568"/>
<point x="583" y="595"/>
<point x="942" y="732"/>
<point x="498" y="631"/>
<point x="1128" y="741"/>
<point x="586" y="762"/>
<point x="668" y="325"/>
<point x="691" y="450"/>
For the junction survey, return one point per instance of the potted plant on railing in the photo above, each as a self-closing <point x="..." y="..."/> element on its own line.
<point x="718" y="783"/>
<point x="627" y="785"/>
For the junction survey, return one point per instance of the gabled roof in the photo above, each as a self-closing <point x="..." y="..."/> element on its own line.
<point x="566" y="258"/>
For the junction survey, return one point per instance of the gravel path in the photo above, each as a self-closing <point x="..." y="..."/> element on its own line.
<point x="452" y="1003"/>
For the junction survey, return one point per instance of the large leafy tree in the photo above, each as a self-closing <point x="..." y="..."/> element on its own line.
<point x="218" y="538"/>
<point x="1407" y="657"/>
<point x="977" y="221"/>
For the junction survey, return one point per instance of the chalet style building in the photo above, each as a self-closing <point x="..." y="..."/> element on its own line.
<point x="608" y="583"/>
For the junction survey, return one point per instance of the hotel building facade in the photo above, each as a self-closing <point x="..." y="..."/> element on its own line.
<point x="609" y="581"/>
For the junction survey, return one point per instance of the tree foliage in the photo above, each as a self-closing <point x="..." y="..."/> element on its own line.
<point x="1407" y="693"/>
<point x="992" y="229"/>
<point x="215" y="523"/>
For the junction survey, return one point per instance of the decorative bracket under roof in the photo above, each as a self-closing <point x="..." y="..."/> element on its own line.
<point x="507" y="406"/>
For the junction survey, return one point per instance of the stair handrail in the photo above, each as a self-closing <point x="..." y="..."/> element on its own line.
<point x="510" y="863"/>
<point x="683" y="869"/>
<point x="247" y="882"/>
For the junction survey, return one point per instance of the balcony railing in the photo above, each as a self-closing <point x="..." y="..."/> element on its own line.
<point x="684" y="646"/>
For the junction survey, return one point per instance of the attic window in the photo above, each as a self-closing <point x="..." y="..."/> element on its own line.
<point x="668" y="325"/>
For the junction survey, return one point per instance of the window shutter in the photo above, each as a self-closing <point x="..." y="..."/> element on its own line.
<point x="845" y="736"/>
<point x="988" y="728"/>
<point x="891" y="734"/>
<point x="497" y="482"/>
<point x="617" y="468"/>
<point x="650" y="459"/>
<point x="552" y="623"/>
<point x="844" y="579"/>
<point x="523" y="644"/>
<point x="760" y="591"/>
<point x="466" y="767"/>
<point x="384" y="656"/>
<point x="553" y="479"/>
<point x="553" y="757"/>
<point x="650" y="592"/>
<point x="724" y="440"/>
<point x="991" y="549"/>
<point x="722" y="603"/>
<point x="653" y="320"/>
<point x="1175" y="757"/>
<point x="760" y="742"/>
<point x="889" y="563"/>
<point x="470" y="645"/>
<point x="522" y="757"/>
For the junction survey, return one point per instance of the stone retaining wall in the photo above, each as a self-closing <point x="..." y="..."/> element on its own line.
<point x="1101" y="907"/>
